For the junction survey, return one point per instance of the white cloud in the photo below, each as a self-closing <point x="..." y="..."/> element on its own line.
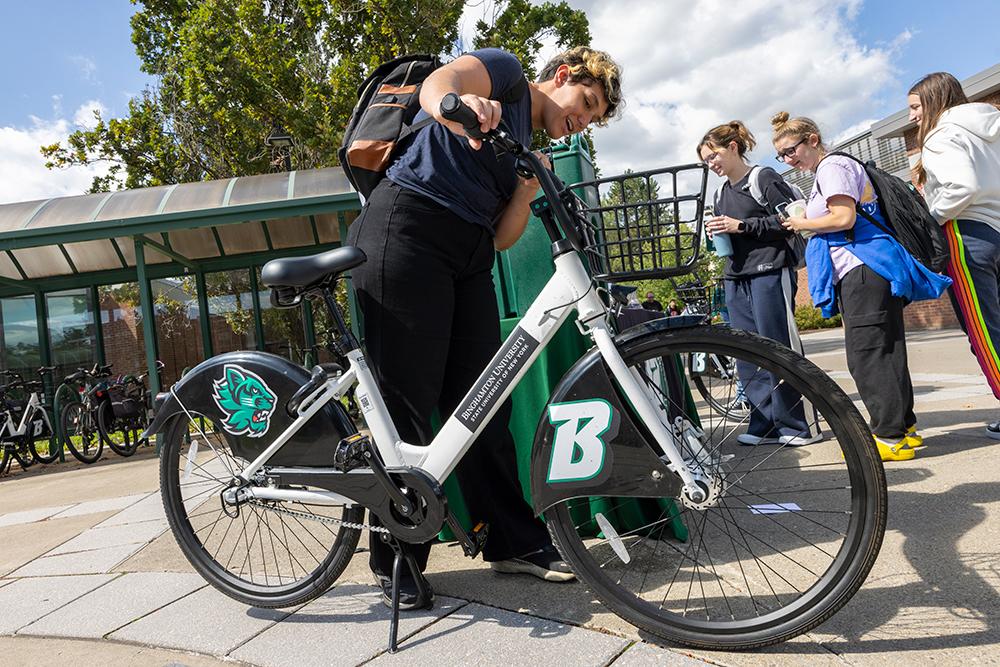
<point x="23" y="176"/>
<point x="84" y="116"/>
<point x="88" y="68"/>
<point x="690" y="66"/>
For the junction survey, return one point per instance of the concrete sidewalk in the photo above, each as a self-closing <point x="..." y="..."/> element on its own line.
<point x="89" y="572"/>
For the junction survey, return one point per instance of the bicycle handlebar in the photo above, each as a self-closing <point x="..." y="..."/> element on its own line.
<point x="453" y="108"/>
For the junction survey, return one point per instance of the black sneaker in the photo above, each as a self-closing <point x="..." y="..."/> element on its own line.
<point x="409" y="594"/>
<point x="545" y="563"/>
<point x="993" y="430"/>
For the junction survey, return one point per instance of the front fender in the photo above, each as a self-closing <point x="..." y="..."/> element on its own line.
<point x="589" y="443"/>
<point x="270" y="380"/>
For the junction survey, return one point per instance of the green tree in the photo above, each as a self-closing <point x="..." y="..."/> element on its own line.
<point x="227" y="71"/>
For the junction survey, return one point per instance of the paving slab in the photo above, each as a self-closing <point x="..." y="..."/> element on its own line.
<point x="30" y="516"/>
<point x="147" y="509"/>
<point x="205" y="621"/>
<point x="347" y="626"/>
<point x="89" y="562"/>
<point x="477" y="634"/>
<point x="27" y="600"/>
<point x="112" y="536"/>
<point x="36" y="652"/>
<point x="23" y="543"/>
<point x="114" y="605"/>
<point x="104" y="505"/>
<point x="647" y="655"/>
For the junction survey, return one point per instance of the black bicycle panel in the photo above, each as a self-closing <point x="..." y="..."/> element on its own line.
<point x="246" y="393"/>
<point x="588" y="444"/>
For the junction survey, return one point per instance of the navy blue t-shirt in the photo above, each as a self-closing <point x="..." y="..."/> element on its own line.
<point x="441" y="165"/>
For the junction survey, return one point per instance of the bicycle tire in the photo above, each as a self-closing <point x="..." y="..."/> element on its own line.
<point x="208" y="465"/>
<point x="78" y="422"/>
<point x="754" y="625"/>
<point x="733" y="407"/>
<point x="53" y="451"/>
<point x="4" y="459"/>
<point x="105" y="426"/>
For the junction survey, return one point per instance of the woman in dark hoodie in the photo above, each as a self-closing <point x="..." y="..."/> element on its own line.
<point x="760" y="277"/>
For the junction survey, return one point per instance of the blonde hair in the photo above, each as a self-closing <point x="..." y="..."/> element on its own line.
<point x="800" y="128"/>
<point x="721" y="136"/>
<point x="938" y="92"/>
<point x="587" y="66"/>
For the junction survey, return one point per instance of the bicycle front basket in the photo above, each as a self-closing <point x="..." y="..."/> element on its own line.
<point x="644" y="224"/>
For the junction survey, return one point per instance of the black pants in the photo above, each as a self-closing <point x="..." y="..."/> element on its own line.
<point x="876" y="351"/>
<point x="431" y="325"/>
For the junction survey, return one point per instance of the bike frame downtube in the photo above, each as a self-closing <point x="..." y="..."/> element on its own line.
<point x="568" y="289"/>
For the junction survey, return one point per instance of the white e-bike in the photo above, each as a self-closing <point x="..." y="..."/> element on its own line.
<point x="661" y="513"/>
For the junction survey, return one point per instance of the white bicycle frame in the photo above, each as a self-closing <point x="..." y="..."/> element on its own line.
<point x="34" y="405"/>
<point x="569" y="289"/>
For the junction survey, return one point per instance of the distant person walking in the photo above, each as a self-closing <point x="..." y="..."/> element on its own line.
<point x="651" y="303"/>
<point x="863" y="272"/>
<point x="959" y="170"/>
<point x="759" y="277"/>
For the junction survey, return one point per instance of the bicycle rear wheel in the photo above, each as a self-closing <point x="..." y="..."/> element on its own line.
<point x="788" y="534"/>
<point x="46" y="447"/>
<point x="263" y="553"/>
<point x="112" y="429"/>
<point x="80" y="430"/>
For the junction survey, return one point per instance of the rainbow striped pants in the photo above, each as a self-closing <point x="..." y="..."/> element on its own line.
<point x="975" y="270"/>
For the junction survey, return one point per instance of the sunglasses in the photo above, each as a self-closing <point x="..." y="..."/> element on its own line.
<point x="790" y="151"/>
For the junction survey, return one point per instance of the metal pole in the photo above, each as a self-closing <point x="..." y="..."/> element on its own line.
<point x="95" y="300"/>
<point x="206" y="324"/>
<point x="148" y="316"/>
<point x="258" y="324"/>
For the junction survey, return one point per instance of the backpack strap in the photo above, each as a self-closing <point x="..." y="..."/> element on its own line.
<point x="514" y="94"/>
<point x="754" y="183"/>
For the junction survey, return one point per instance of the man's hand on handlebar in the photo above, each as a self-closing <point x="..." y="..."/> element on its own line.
<point x="532" y="184"/>
<point x="487" y="112"/>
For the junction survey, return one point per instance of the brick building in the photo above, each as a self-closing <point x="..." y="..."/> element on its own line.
<point x="892" y="143"/>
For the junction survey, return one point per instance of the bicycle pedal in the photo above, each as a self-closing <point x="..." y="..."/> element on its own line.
<point x="349" y="453"/>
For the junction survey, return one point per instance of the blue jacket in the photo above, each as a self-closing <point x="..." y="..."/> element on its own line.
<point x="882" y="253"/>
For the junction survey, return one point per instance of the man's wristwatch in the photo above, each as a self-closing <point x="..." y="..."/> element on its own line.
<point x="742" y="227"/>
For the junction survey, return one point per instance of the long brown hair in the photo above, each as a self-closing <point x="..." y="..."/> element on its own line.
<point x="721" y="135"/>
<point x="938" y="92"/>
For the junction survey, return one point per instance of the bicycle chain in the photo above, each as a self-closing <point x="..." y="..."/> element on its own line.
<point x="321" y="519"/>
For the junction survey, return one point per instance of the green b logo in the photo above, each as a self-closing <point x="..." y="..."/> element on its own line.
<point x="578" y="449"/>
<point x="245" y="399"/>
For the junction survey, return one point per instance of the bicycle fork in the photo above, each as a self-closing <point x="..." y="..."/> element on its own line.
<point x="649" y="414"/>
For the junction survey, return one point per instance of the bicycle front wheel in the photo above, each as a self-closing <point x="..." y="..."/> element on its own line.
<point x="80" y="430"/>
<point x="262" y="553"/>
<point x="788" y="532"/>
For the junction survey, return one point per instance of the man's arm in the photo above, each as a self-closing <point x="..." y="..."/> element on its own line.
<point x="466" y="76"/>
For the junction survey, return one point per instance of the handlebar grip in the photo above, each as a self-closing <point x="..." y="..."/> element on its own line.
<point x="453" y="108"/>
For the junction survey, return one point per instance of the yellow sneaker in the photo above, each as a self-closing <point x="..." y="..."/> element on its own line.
<point x="913" y="438"/>
<point x="894" y="451"/>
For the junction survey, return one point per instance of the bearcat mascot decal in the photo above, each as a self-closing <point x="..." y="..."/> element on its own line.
<point x="245" y="399"/>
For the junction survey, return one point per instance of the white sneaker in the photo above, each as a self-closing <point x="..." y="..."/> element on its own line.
<point x="799" y="440"/>
<point x="751" y="440"/>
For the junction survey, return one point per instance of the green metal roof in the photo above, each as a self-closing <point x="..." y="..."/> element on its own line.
<point x="192" y="221"/>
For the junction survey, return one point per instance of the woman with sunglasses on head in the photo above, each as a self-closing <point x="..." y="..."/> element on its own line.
<point x="959" y="170"/>
<point x="759" y="277"/>
<point x="863" y="272"/>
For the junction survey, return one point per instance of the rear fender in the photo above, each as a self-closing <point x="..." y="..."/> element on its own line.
<point x="245" y="394"/>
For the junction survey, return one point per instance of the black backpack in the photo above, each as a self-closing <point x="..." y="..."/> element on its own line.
<point x="909" y="219"/>
<point x="388" y="101"/>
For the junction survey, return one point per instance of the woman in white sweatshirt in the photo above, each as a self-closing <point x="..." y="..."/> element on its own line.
<point x="959" y="170"/>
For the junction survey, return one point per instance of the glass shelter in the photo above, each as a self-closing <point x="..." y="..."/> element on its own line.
<point x="169" y="272"/>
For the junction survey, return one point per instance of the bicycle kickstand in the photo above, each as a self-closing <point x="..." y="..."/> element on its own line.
<point x="397" y="571"/>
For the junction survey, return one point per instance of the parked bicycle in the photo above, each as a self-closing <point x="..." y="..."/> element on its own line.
<point x="269" y="502"/>
<point x="79" y="418"/>
<point x="122" y="418"/>
<point x="24" y="424"/>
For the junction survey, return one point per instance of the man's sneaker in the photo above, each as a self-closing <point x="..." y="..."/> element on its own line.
<point x="914" y="439"/>
<point x="893" y="451"/>
<point x="993" y="430"/>
<point x="799" y="440"/>
<point x="545" y="564"/>
<point x="751" y="440"/>
<point x="409" y="594"/>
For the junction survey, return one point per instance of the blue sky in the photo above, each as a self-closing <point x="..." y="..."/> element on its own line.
<point x="60" y="55"/>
